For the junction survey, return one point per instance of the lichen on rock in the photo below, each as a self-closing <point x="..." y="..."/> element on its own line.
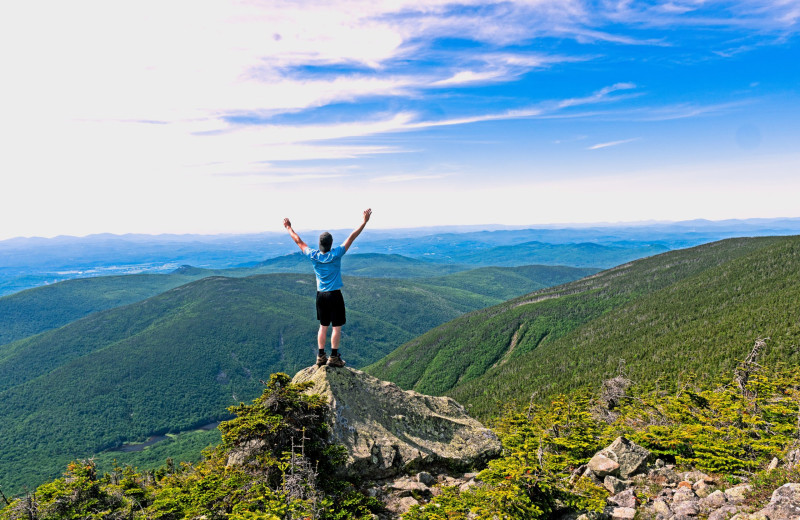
<point x="387" y="430"/>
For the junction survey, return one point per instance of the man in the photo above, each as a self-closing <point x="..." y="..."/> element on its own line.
<point x="330" y="304"/>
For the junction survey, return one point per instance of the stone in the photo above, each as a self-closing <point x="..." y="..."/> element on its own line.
<point x="426" y="478"/>
<point x="660" y="506"/>
<point x="736" y="494"/>
<point x="696" y="476"/>
<point x="623" y="513"/>
<point x="784" y="504"/>
<point x="713" y="501"/>
<point x="723" y="513"/>
<point x="403" y="505"/>
<point x="793" y="458"/>
<point x="406" y="488"/>
<point x="683" y="494"/>
<point x="577" y="473"/>
<point x="583" y="515"/>
<point x="468" y="484"/>
<point x="659" y="463"/>
<point x="702" y="488"/>
<point x="663" y="476"/>
<point x="773" y="464"/>
<point x="686" y="508"/>
<point x="615" y="485"/>
<point x="631" y="457"/>
<point x="246" y="452"/>
<point x="685" y="484"/>
<point x="388" y="431"/>
<point x="626" y="498"/>
<point x="591" y="476"/>
<point x="601" y="465"/>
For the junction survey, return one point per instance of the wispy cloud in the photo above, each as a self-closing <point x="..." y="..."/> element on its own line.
<point x="406" y="178"/>
<point x="609" y="144"/>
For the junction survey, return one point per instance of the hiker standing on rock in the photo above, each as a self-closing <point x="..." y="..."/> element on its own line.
<point x="330" y="304"/>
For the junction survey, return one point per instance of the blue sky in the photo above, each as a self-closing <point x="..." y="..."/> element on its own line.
<point x="207" y="117"/>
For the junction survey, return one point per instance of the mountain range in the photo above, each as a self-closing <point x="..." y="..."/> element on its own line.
<point x="99" y="362"/>
<point x="659" y="320"/>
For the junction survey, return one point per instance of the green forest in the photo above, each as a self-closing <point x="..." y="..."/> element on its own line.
<point x="87" y="386"/>
<point x="689" y="311"/>
<point x="728" y="427"/>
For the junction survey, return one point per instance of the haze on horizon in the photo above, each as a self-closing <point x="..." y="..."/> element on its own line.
<point x="212" y="117"/>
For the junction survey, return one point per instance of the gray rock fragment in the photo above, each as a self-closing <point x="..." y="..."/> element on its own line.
<point x="736" y="494"/>
<point x="426" y="478"/>
<point x="615" y="485"/>
<point x="723" y="513"/>
<point x="623" y="513"/>
<point x="713" y="501"/>
<point x="631" y="457"/>
<point x="602" y="464"/>
<point x="686" y="508"/>
<point x="784" y="504"/>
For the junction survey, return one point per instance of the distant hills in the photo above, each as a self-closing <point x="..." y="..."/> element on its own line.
<point x="121" y="370"/>
<point x="663" y="318"/>
<point x="31" y="262"/>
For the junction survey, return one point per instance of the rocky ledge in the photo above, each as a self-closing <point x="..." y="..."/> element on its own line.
<point x="689" y="495"/>
<point x="389" y="431"/>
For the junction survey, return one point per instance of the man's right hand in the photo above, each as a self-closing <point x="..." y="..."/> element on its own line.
<point x="287" y="224"/>
<point x="367" y="214"/>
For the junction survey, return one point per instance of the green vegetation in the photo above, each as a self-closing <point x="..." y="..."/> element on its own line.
<point x="505" y="283"/>
<point x="359" y="264"/>
<point x="280" y="481"/>
<point x="285" y="465"/>
<point x="180" y="447"/>
<point x="43" y="308"/>
<point x="49" y="307"/>
<point x="716" y="427"/>
<point x="687" y="311"/>
<point x="584" y="254"/>
<point x="86" y="387"/>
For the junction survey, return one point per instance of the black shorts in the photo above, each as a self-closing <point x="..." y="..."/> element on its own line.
<point x="330" y="308"/>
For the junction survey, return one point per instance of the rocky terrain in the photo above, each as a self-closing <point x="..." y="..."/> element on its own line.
<point x="388" y="431"/>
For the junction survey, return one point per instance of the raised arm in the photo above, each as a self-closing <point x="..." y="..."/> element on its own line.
<point x="297" y="240"/>
<point x="347" y="243"/>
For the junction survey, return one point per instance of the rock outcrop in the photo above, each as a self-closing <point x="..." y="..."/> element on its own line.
<point x="388" y="431"/>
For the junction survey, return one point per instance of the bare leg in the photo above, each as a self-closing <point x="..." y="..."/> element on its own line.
<point x="336" y="336"/>
<point x="322" y="335"/>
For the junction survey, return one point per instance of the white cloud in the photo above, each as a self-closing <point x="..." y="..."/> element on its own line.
<point x="609" y="144"/>
<point x="104" y="100"/>
<point x="406" y="178"/>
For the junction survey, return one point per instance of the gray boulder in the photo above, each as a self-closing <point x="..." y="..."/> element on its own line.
<point x="736" y="494"/>
<point x="388" y="431"/>
<point x="784" y="504"/>
<point x="631" y="457"/>
<point x="723" y="513"/>
<point x="615" y="485"/>
<point x="713" y="501"/>
<point x="622" y="458"/>
<point x="626" y="498"/>
<point x="603" y="463"/>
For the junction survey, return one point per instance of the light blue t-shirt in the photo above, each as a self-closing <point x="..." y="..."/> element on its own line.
<point x="327" y="267"/>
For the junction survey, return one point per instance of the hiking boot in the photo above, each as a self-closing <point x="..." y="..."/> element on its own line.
<point x="336" y="361"/>
<point x="321" y="360"/>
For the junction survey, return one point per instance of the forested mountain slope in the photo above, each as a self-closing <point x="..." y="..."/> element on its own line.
<point x="44" y="308"/>
<point x="48" y="307"/>
<point x="177" y="360"/>
<point x="689" y="311"/>
<point x="35" y="310"/>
